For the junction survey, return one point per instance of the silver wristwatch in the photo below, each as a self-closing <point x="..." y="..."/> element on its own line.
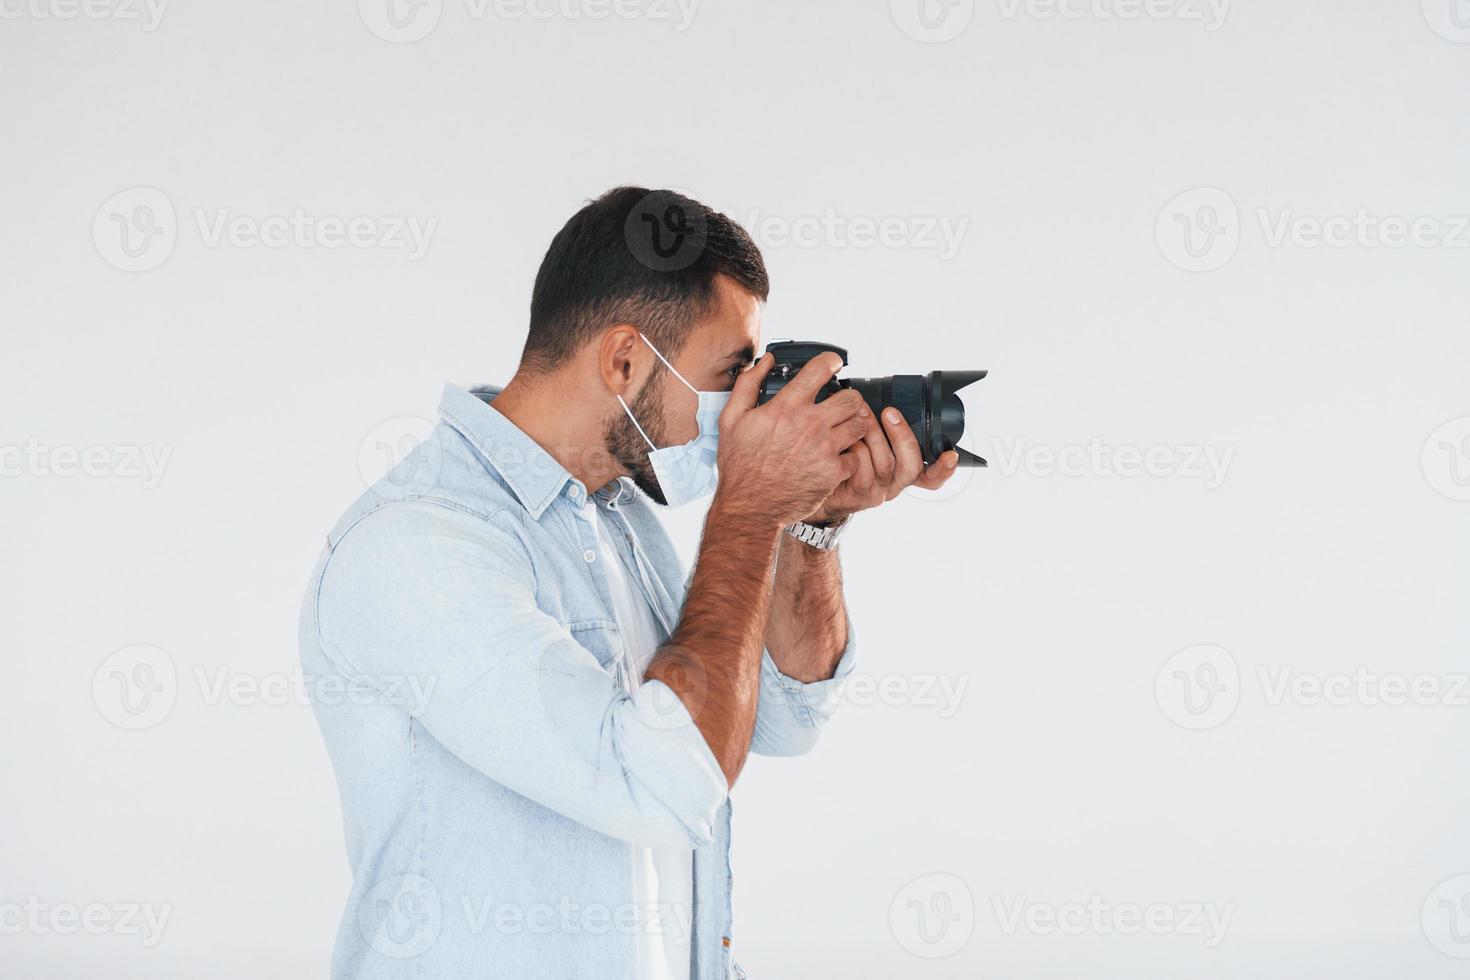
<point x="821" y="538"/>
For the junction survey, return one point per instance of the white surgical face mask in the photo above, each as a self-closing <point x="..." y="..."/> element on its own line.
<point x="686" y="472"/>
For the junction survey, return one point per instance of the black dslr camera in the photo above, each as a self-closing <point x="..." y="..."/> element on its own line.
<point x="928" y="402"/>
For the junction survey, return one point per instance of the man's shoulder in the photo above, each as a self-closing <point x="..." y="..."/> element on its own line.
<point x="432" y="525"/>
<point x="440" y="473"/>
<point x="437" y="507"/>
<point x="402" y="559"/>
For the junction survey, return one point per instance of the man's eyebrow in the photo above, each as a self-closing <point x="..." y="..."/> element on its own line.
<point x="744" y="355"/>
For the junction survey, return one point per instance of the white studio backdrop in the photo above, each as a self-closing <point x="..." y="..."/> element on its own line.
<point x="1174" y="688"/>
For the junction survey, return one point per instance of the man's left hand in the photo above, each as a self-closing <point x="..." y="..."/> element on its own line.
<point x="888" y="460"/>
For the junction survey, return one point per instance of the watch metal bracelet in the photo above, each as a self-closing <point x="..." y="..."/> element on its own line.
<point x="821" y="538"/>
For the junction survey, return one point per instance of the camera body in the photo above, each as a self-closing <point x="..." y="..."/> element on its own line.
<point x="928" y="403"/>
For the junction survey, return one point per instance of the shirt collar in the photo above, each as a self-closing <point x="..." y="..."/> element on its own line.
<point x="533" y="474"/>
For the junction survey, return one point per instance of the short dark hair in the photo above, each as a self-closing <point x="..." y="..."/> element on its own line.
<point x="638" y="256"/>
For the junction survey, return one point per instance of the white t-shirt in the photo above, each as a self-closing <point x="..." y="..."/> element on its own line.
<point x="663" y="879"/>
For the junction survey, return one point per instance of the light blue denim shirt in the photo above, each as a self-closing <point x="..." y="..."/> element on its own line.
<point x="459" y="645"/>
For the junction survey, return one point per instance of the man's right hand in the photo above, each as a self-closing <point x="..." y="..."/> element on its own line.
<point x="780" y="460"/>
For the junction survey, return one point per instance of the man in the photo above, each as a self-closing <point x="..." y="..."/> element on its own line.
<point x="535" y="720"/>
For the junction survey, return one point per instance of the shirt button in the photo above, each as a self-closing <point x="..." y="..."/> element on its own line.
<point x="589" y="555"/>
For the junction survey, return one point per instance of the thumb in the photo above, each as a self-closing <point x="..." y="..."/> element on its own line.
<point x="748" y="385"/>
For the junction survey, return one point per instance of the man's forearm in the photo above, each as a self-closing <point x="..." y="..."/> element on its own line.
<point x="806" y="631"/>
<point x="712" y="661"/>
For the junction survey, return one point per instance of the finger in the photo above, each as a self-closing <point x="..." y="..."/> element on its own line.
<point x="846" y="433"/>
<point x="938" y="472"/>
<point x="909" y="461"/>
<point x="863" y="479"/>
<point x="843" y="406"/>
<point x="748" y="384"/>
<point x="884" y="463"/>
<point x="817" y="372"/>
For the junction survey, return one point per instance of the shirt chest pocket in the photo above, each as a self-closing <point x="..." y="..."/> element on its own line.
<point x="599" y="637"/>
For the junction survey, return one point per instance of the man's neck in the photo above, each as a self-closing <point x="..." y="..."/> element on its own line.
<point x="557" y="421"/>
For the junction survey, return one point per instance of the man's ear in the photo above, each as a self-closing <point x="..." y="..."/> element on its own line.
<point x="620" y="362"/>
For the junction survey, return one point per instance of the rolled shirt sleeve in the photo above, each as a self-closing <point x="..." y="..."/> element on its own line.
<point x="791" y="713"/>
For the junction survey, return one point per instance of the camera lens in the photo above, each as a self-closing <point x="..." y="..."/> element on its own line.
<point x="928" y="403"/>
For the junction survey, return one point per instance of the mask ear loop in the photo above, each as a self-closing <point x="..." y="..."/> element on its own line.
<point x="667" y="364"/>
<point x="629" y="412"/>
